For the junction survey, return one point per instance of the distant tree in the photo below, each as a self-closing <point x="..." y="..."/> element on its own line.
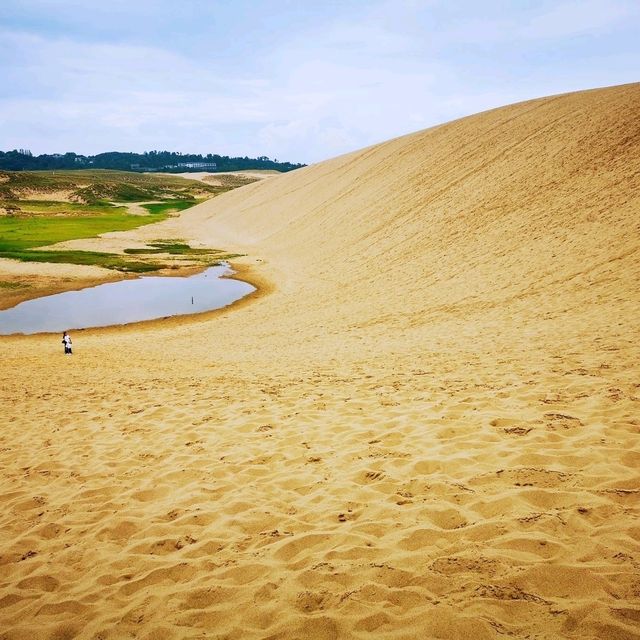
<point x="23" y="160"/>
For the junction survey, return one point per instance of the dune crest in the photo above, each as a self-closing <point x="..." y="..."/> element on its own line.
<point x="427" y="427"/>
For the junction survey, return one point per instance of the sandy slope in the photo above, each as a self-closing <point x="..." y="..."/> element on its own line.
<point x="427" y="426"/>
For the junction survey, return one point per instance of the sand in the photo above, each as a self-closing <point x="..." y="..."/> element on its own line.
<point x="61" y="195"/>
<point x="207" y="176"/>
<point x="425" y="426"/>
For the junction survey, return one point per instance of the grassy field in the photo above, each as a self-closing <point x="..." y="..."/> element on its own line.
<point x="18" y="234"/>
<point x="101" y="185"/>
<point x="106" y="260"/>
<point x="20" y="238"/>
<point x="30" y="207"/>
<point x="171" y="206"/>
<point x="42" y="208"/>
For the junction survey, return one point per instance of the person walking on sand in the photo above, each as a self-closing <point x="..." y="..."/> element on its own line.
<point x="66" y="341"/>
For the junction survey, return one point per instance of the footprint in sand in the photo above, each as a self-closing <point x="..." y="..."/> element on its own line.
<point x="39" y="583"/>
<point x="561" y="421"/>
<point x="511" y="427"/>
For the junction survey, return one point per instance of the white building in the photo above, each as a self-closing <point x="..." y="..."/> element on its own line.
<point x="197" y="165"/>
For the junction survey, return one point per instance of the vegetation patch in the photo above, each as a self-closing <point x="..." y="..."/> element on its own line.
<point x="103" y="186"/>
<point x="181" y="251"/>
<point x="171" y="206"/>
<point x="30" y="208"/>
<point x="97" y="258"/>
<point x="19" y="234"/>
<point x="43" y="208"/>
<point x="172" y="248"/>
<point x="11" y="286"/>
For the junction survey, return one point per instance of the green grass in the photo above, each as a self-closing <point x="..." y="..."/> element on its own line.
<point x="95" y="210"/>
<point x="49" y="208"/>
<point x="208" y="257"/>
<point x="106" y="260"/>
<point x="21" y="237"/>
<point x="92" y="186"/>
<point x="99" y="207"/>
<point x="171" y="206"/>
<point x="19" y="234"/>
<point x="172" y="248"/>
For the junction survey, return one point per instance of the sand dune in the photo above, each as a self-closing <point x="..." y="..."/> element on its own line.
<point x="426" y="426"/>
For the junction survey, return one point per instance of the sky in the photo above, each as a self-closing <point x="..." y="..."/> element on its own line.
<point x="294" y="80"/>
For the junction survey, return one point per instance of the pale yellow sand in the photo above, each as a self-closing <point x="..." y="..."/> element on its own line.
<point x="426" y="427"/>
<point x="62" y="195"/>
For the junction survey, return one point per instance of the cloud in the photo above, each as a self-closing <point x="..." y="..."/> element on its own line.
<point x="554" y="22"/>
<point x="578" y="17"/>
<point x="300" y="82"/>
<point x="64" y="66"/>
<point x="318" y="138"/>
<point x="115" y="91"/>
<point x="121" y="91"/>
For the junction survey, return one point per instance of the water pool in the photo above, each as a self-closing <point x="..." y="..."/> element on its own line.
<point x="126" y="301"/>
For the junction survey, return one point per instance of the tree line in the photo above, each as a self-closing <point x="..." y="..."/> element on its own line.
<point x="24" y="160"/>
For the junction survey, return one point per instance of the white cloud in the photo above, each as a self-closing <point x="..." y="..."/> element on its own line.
<point x="578" y="17"/>
<point x="114" y="90"/>
<point x="61" y="65"/>
<point x="354" y="76"/>
<point x="560" y="21"/>
<point x="317" y="139"/>
<point x="318" y="101"/>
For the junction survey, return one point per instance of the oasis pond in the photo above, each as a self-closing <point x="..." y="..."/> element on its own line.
<point x="116" y="303"/>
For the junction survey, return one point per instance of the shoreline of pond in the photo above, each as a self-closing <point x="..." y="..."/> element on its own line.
<point x="240" y="273"/>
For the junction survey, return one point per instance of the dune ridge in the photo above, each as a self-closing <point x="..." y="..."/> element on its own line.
<point x="426" y="427"/>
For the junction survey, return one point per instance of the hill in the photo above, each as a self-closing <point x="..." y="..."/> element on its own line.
<point x="423" y="426"/>
<point x="538" y="195"/>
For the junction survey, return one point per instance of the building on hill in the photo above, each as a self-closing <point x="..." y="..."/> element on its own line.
<point x="197" y="165"/>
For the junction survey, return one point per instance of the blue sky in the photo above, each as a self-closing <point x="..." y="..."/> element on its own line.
<point x="294" y="80"/>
